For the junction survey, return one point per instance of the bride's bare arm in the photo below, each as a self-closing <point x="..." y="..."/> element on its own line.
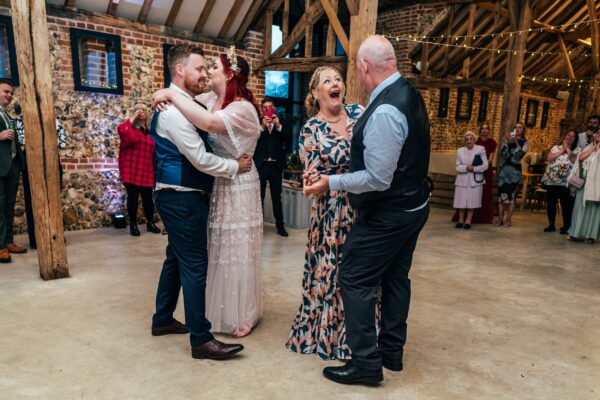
<point x="196" y="114"/>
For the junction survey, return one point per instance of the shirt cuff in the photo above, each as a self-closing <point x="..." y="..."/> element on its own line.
<point x="233" y="169"/>
<point x="335" y="182"/>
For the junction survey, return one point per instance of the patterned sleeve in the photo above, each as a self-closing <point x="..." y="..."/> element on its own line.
<point x="519" y="154"/>
<point x="308" y="145"/>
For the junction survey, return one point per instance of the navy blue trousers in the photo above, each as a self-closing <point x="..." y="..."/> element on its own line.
<point x="378" y="252"/>
<point x="184" y="215"/>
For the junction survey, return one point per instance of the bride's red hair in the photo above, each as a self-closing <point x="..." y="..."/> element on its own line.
<point x="237" y="86"/>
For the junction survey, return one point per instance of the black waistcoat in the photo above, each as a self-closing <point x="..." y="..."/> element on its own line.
<point x="409" y="188"/>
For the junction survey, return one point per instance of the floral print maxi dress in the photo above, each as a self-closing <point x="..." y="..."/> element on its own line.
<point x="319" y="323"/>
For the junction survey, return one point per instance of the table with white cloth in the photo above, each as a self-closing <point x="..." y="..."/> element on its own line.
<point x="296" y="207"/>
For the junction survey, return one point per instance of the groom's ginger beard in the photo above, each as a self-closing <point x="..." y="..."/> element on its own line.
<point x="191" y="80"/>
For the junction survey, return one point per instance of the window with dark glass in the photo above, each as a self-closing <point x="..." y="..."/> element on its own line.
<point x="464" y="104"/>
<point x="97" y="65"/>
<point x="8" y="57"/>
<point x="166" y="70"/>
<point x="545" y="114"/>
<point x="443" y="106"/>
<point x="531" y="113"/>
<point x="483" y="106"/>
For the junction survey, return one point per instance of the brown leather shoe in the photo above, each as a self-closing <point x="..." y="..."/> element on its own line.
<point x="13" y="248"/>
<point x="216" y="350"/>
<point x="4" y="256"/>
<point x="174" y="328"/>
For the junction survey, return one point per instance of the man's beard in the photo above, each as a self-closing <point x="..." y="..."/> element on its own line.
<point x="194" y="86"/>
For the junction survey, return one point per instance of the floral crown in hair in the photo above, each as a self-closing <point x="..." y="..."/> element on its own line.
<point x="232" y="58"/>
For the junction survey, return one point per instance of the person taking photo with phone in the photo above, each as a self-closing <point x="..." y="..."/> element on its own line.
<point x="269" y="158"/>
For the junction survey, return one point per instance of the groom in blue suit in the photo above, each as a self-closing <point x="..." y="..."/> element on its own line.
<point x="184" y="179"/>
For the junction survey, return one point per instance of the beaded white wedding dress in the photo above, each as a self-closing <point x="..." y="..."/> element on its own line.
<point x="235" y="226"/>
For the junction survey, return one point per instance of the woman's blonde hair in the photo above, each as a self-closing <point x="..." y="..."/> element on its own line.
<point x="139" y="106"/>
<point x="312" y="103"/>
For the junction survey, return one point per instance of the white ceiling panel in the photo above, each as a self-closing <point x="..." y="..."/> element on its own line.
<point x="217" y="17"/>
<point x="129" y="9"/>
<point x="189" y="13"/>
<point x="159" y="11"/>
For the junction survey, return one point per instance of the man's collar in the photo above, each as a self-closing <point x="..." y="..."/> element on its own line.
<point x="387" y="82"/>
<point x="180" y="90"/>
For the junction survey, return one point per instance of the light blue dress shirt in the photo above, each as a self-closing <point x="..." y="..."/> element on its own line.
<point x="384" y="136"/>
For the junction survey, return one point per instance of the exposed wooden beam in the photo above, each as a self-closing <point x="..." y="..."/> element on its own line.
<point x="353" y="6"/>
<point x="250" y="15"/>
<point x="204" y="15"/>
<point x="492" y="57"/>
<point x="448" y="33"/>
<point x="425" y="59"/>
<point x="521" y="18"/>
<point x="112" y="7"/>
<point x="469" y="41"/>
<point x="305" y="64"/>
<point x="268" y="34"/>
<point x="335" y="23"/>
<point x="35" y="69"/>
<point x="233" y="13"/>
<point x="423" y="82"/>
<point x="70" y="3"/>
<point x="173" y="13"/>
<point x="535" y="24"/>
<point x="309" y="18"/>
<point x="285" y="20"/>
<point x="362" y="26"/>
<point x="331" y="38"/>
<point x="308" y="32"/>
<point x="144" y="11"/>
<point x="565" y="53"/>
<point x="122" y="23"/>
<point x="595" y="34"/>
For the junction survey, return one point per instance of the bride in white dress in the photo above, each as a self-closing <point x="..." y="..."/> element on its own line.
<point x="233" y="292"/>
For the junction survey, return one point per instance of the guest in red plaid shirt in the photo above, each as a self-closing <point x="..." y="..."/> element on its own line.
<point x="136" y="166"/>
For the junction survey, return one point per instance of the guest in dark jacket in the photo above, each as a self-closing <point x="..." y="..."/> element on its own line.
<point x="269" y="158"/>
<point x="136" y="166"/>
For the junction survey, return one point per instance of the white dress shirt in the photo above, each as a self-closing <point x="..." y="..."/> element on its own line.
<point x="173" y="125"/>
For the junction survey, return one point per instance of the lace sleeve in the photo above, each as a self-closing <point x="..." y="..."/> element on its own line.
<point x="243" y="126"/>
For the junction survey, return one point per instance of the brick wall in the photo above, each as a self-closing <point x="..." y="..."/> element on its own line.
<point x="91" y="189"/>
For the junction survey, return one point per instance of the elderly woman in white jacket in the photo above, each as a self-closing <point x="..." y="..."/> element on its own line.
<point x="471" y="162"/>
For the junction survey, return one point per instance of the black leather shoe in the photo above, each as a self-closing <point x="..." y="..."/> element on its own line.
<point x="349" y="374"/>
<point x="133" y="229"/>
<point x="174" y="328"/>
<point x="392" y="364"/>
<point x="282" y="232"/>
<point x="564" y="231"/>
<point x="215" y="350"/>
<point x="550" y="228"/>
<point x="152" y="228"/>
<point x="467" y="226"/>
<point x="459" y="225"/>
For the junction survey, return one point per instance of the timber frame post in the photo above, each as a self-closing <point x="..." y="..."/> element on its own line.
<point x="521" y="17"/>
<point x="362" y="26"/>
<point x="31" y="39"/>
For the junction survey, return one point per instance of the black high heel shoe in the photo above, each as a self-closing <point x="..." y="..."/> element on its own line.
<point x="133" y="229"/>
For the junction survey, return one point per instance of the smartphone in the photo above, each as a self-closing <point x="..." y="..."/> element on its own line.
<point x="513" y="133"/>
<point x="270" y="113"/>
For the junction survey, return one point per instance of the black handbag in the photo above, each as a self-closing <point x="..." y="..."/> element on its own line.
<point x="478" y="176"/>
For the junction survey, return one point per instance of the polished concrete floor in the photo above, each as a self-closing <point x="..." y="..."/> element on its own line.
<point x="496" y="314"/>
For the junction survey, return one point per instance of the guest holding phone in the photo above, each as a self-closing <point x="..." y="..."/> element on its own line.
<point x="269" y="158"/>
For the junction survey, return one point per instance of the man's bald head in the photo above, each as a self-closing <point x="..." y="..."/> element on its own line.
<point x="376" y="61"/>
<point x="378" y="51"/>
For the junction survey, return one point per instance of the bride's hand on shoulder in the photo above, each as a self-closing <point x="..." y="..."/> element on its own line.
<point x="161" y="99"/>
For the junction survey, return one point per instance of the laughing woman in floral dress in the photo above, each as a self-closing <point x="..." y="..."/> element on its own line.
<point x="325" y="148"/>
